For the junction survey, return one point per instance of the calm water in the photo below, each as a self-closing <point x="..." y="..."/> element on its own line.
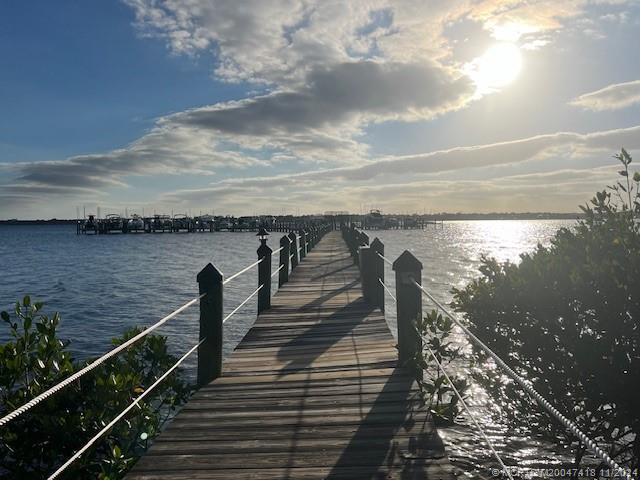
<point x="451" y="256"/>
<point x="105" y="283"/>
<point x="102" y="284"/>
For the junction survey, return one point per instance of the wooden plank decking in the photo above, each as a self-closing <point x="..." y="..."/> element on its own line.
<point x="313" y="391"/>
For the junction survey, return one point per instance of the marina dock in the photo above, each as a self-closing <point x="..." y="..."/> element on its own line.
<point x="314" y="390"/>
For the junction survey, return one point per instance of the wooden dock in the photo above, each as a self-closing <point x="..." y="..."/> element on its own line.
<point x="313" y="391"/>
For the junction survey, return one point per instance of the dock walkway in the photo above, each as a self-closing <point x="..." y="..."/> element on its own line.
<point x="313" y="391"/>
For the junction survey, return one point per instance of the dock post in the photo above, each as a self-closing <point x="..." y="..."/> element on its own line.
<point x="377" y="249"/>
<point x="366" y="272"/>
<point x="409" y="305"/>
<point x="210" y="351"/>
<point x="303" y="244"/>
<point x="283" y="277"/>
<point x="294" y="250"/>
<point x="361" y="239"/>
<point x="264" y="271"/>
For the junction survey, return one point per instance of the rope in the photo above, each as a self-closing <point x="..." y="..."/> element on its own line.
<point x="241" y="305"/>
<point x="464" y="404"/>
<point x="241" y="272"/>
<point x="123" y="413"/>
<point x="56" y="388"/>
<point x="276" y="272"/>
<point x="471" y="415"/>
<point x="384" y="258"/>
<point x="276" y="251"/>
<point x="568" y="424"/>
<point x="387" y="289"/>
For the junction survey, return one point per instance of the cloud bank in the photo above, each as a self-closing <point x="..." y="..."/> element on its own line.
<point x="325" y="71"/>
<point x="612" y="97"/>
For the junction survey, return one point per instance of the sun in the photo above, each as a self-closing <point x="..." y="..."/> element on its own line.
<point x="496" y="68"/>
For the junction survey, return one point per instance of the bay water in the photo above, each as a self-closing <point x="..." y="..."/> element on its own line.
<point x="103" y="284"/>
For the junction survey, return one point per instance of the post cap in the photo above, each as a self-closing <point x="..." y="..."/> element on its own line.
<point x="407" y="262"/>
<point x="209" y="274"/>
<point x="377" y="245"/>
<point x="262" y="232"/>
<point x="285" y="239"/>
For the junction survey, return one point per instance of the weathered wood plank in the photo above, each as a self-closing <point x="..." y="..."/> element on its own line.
<point x="313" y="391"/>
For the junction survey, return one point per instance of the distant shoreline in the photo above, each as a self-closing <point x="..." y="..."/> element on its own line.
<point x="435" y="216"/>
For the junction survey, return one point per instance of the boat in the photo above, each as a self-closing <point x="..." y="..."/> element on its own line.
<point x="204" y="222"/>
<point x="135" y="223"/>
<point x="113" y="223"/>
<point x="224" y="224"/>
<point x="90" y="224"/>
<point x="181" y="222"/>
<point x="247" y="223"/>
<point x="161" y="223"/>
<point x="392" y="223"/>
<point x="374" y="219"/>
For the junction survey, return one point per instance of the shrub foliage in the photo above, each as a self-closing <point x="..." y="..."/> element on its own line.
<point x="567" y="317"/>
<point x="39" y="441"/>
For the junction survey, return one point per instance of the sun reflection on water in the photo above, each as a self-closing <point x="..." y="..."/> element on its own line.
<point x="451" y="256"/>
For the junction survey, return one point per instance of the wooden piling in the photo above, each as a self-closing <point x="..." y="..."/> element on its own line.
<point x="303" y="243"/>
<point x="264" y="275"/>
<point x="377" y="249"/>
<point x="210" y="351"/>
<point x="283" y="277"/>
<point x="409" y="305"/>
<point x="294" y="249"/>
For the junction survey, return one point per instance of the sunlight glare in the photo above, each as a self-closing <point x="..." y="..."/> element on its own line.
<point x="496" y="68"/>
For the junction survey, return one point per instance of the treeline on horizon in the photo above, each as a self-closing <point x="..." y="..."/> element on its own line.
<point x="426" y="216"/>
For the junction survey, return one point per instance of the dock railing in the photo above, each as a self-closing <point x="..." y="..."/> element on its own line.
<point x="408" y="298"/>
<point x="211" y="283"/>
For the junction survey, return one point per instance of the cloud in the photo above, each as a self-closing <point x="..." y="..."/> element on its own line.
<point x="612" y="97"/>
<point x="374" y="91"/>
<point x="314" y="123"/>
<point x="278" y="42"/>
<point x="326" y="70"/>
<point x="167" y="149"/>
<point x="395" y="182"/>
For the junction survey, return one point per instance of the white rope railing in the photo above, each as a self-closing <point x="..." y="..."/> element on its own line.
<point x="471" y="415"/>
<point x="460" y="398"/>
<point x="278" y="270"/>
<point x="387" y="289"/>
<point x="110" y="425"/>
<point x="568" y="424"/>
<point x="276" y="251"/>
<point x="384" y="258"/>
<point x="242" y="271"/>
<point x="242" y="304"/>
<point x="56" y="388"/>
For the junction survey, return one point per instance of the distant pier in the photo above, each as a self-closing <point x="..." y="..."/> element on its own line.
<point x="114" y="223"/>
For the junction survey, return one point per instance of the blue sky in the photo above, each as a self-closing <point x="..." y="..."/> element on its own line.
<point x="255" y="106"/>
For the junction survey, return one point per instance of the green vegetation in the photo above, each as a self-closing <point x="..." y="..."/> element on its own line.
<point x="39" y="441"/>
<point x="568" y="319"/>
<point x="435" y="389"/>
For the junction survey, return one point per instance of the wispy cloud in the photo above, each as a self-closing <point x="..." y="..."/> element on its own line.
<point x="611" y="97"/>
<point x="326" y="70"/>
<point x="394" y="182"/>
